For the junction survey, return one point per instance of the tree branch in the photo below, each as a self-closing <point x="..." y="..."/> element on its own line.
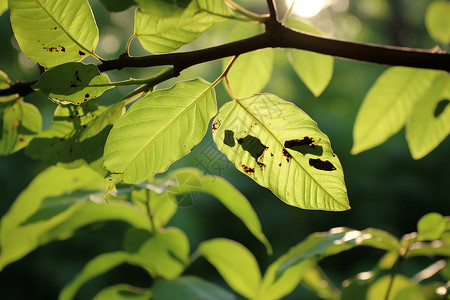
<point x="276" y="36"/>
<point x="272" y="10"/>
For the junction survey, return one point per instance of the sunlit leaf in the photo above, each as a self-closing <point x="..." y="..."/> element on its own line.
<point x="429" y="122"/>
<point x="235" y="263"/>
<point x="10" y="117"/>
<point x="379" y="289"/>
<point x="195" y="181"/>
<point x="123" y="292"/>
<point x="388" y="104"/>
<point x="55" y="31"/>
<point x="16" y="241"/>
<point x="314" y="69"/>
<point x="430" y="249"/>
<point x="284" y="274"/>
<point x="95" y="267"/>
<point x="316" y="280"/>
<point x="77" y="134"/>
<point x="3" y="6"/>
<point x="29" y="126"/>
<point x="280" y="147"/>
<point x="431" y="226"/>
<point x="164" y="35"/>
<point x="189" y="287"/>
<point x="73" y="83"/>
<point x="438" y="22"/>
<point x="163" y="8"/>
<point x="159" y="129"/>
<point x="252" y="71"/>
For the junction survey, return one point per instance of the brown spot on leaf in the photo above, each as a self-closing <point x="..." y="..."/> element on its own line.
<point x="51" y="49"/>
<point x="287" y="155"/>
<point x="216" y="125"/>
<point x="21" y="139"/>
<point x="15" y="125"/>
<point x="63" y="49"/>
<point x="323" y="165"/>
<point x="81" y="53"/>
<point x="248" y="170"/>
<point x="261" y="165"/>
<point x="86" y="96"/>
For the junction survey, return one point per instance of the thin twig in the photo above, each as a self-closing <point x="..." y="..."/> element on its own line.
<point x="272" y="10"/>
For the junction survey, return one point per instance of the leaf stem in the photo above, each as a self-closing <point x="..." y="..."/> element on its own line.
<point x="249" y="14"/>
<point x="225" y="72"/>
<point x="127" y="49"/>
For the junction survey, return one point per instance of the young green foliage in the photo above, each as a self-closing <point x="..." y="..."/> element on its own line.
<point x="438" y="22"/>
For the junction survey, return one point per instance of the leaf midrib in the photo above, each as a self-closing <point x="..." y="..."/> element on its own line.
<point x="63" y="29"/>
<point x="165" y="129"/>
<point x="264" y="126"/>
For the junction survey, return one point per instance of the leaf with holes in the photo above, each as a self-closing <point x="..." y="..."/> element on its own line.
<point x="314" y="69"/>
<point x="55" y="31"/>
<point x="280" y="147"/>
<point x="158" y="130"/>
<point x="429" y="122"/>
<point x="73" y="83"/>
<point x="388" y="104"/>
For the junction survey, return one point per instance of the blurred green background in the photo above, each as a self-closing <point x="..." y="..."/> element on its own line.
<point x="387" y="188"/>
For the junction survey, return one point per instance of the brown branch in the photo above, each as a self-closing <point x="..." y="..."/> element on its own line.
<point x="277" y="36"/>
<point x="272" y="10"/>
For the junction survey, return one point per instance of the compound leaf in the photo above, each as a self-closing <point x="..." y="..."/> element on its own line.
<point x="429" y="122"/>
<point x="388" y="104"/>
<point x="54" y="32"/>
<point x="159" y="129"/>
<point x="280" y="147"/>
<point x="73" y="83"/>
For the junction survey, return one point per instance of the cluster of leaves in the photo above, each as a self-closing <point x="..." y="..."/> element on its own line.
<point x="93" y="148"/>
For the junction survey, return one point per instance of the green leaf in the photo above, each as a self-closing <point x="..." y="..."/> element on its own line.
<point x="314" y="69"/>
<point x="280" y="147"/>
<point x="29" y="126"/>
<point x="116" y="6"/>
<point x="73" y="83"/>
<point x="284" y="274"/>
<point x="10" y="117"/>
<point x="235" y="263"/>
<point x="189" y="287"/>
<point x="193" y="180"/>
<point x="400" y="284"/>
<point x="164" y="35"/>
<point x="215" y="7"/>
<point x="76" y="136"/>
<point x="431" y="226"/>
<point x="123" y="291"/>
<point x="434" y="248"/>
<point x="429" y="122"/>
<point x="252" y="71"/>
<point x="3" y="6"/>
<point x="163" y="8"/>
<point x="438" y="22"/>
<point x="159" y="129"/>
<point x="54" y="32"/>
<point x="388" y="104"/>
<point x="17" y="241"/>
<point x="166" y="253"/>
<point x="316" y="280"/>
<point x="97" y="266"/>
<point x="5" y="83"/>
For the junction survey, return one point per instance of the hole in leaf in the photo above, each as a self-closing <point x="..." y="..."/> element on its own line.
<point x="287" y="155"/>
<point x="81" y="53"/>
<point x="229" y="138"/>
<point x="440" y="107"/>
<point x="323" y="165"/>
<point x="305" y="146"/>
<point x="252" y="145"/>
<point x="248" y="170"/>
